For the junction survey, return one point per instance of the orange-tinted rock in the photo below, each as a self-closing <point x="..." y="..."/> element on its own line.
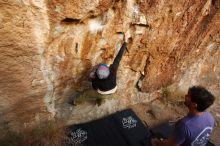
<point x="49" y="47"/>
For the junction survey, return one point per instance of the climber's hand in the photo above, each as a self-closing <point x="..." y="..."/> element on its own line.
<point x="127" y="36"/>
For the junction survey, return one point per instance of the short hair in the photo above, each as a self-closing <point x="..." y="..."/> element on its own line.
<point x="202" y="97"/>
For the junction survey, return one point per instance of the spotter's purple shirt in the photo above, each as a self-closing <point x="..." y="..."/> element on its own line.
<point x="194" y="130"/>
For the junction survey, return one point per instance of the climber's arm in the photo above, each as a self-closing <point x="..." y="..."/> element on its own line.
<point x="117" y="59"/>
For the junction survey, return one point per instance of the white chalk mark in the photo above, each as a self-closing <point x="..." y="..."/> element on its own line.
<point x="95" y="26"/>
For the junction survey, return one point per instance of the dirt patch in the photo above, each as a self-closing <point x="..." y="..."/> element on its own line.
<point x="157" y="112"/>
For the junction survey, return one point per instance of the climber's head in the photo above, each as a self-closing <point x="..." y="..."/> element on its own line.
<point x="102" y="71"/>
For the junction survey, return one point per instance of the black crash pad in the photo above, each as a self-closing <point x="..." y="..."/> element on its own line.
<point x="120" y="129"/>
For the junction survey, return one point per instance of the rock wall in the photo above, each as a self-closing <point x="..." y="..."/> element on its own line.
<point x="49" y="47"/>
<point x="24" y="31"/>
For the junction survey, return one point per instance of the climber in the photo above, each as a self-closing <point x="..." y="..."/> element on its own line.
<point x="195" y="128"/>
<point x="103" y="77"/>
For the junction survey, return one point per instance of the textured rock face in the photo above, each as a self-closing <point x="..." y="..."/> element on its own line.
<point x="49" y="47"/>
<point x="179" y="37"/>
<point x="22" y="42"/>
